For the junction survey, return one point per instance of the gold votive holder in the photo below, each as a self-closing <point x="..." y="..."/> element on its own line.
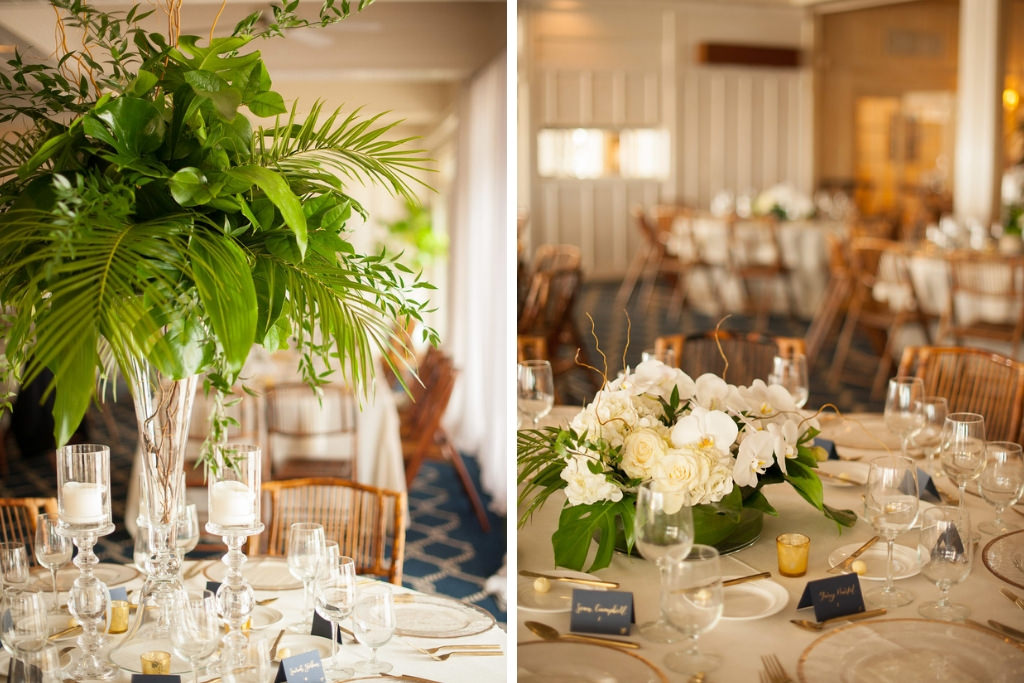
<point x="156" y="662"/>
<point x="118" y="616"/>
<point x="793" y="550"/>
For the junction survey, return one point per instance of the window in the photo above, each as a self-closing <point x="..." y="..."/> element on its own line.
<point x="602" y="153"/>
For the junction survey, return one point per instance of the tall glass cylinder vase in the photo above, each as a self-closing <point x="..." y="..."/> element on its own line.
<point x="163" y="408"/>
<point x="234" y="514"/>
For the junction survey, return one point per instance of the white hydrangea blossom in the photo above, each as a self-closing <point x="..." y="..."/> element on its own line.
<point x="583" y="486"/>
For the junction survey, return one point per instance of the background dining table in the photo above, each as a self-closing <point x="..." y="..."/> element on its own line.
<point x="741" y="643"/>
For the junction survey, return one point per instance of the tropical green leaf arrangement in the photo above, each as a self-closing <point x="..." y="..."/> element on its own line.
<point x="701" y="442"/>
<point x="142" y="214"/>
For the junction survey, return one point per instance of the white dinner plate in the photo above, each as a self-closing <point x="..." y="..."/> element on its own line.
<point x="911" y="650"/>
<point x="861" y="431"/>
<point x="558" y="599"/>
<point x="569" y="662"/>
<point x="753" y="600"/>
<point x="292" y="644"/>
<point x="264" y="617"/>
<point x="844" y="473"/>
<point x="262" y="573"/>
<point x="905" y="562"/>
<point x="109" y="573"/>
<point x="128" y="655"/>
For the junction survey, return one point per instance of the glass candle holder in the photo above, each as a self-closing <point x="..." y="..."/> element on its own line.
<point x="234" y="514"/>
<point x="793" y="550"/>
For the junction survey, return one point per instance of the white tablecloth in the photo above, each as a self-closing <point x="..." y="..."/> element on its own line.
<point x="741" y="643"/>
<point x="399" y="651"/>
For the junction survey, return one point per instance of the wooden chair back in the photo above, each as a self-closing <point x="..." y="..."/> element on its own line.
<point x="367" y="522"/>
<point x="18" y="520"/>
<point x="738" y="357"/>
<point x="548" y="257"/>
<point x="531" y="347"/>
<point x="986" y="298"/>
<point x="311" y="434"/>
<point x="973" y="380"/>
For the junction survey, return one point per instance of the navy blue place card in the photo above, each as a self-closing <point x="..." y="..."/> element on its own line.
<point x="301" y="668"/>
<point x="213" y="586"/>
<point x="608" y="612"/>
<point x="322" y="628"/>
<point x="835" y="596"/>
<point x="828" y="445"/>
<point x="926" y="487"/>
<point x="156" y="678"/>
<point x="119" y="593"/>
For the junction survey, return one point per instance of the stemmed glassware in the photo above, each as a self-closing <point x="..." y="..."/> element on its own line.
<point x="692" y="601"/>
<point x="195" y="627"/>
<point x="52" y="550"/>
<point x="944" y="549"/>
<point x="1001" y="482"/>
<point x="23" y="628"/>
<point x="186" y="531"/>
<point x="662" y="527"/>
<point x="891" y="505"/>
<point x="306" y="548"/>
<point x="335" y="600"/>
<point x="13" y="565"/>
<point x="791" y="373"/>
<point x="903" y="414"/>
<point x="536" y="387"/>
<point x="929" y="436"/>
<point x="373" y="620"/>
<point x="963" y="449"/>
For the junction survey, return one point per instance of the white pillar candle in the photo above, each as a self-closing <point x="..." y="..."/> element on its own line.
<point x="231" y="504"/>
<point x="83" y="502"/>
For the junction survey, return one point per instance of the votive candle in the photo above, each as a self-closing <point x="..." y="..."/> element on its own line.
<point x="231" y="504"/>
<point x="83" y="502"/>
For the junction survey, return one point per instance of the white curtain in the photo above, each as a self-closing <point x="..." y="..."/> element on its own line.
<point x="479" y="327"/>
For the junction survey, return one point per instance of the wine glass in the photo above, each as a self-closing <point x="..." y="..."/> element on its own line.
<point x="23" y="627"/>
<point x="186" y="535"/>
<point x="929" y="436"/>
<point x="306" y="548"/>
<point x="891" y="505"/>
<point x="52" y="550"/>
<point x="195" y="627"/>
<point x="536" y="387"/>
<point x="13" y="565"/>
<point x="692" y="602"/>
<point x="903" y="414"/>
<point x="945" y="552"/>
<point x="373" y="619"/>
<point x="663" y="526"/>
<point x="791" y="373"/>
<point x="335" y="599"/>
<point x="1001" y="482"/>
<point x="963" y="449"/>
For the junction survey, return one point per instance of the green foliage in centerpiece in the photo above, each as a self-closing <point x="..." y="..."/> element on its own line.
<point x="142" y="214"/>
<point x="716" y="444"/>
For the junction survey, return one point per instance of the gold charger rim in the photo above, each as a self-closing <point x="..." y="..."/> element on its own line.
<point x="986" y="559"/>
<point x="651" y="665"/>
<point x="414" y="598"/>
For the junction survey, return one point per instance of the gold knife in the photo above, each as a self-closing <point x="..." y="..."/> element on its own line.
<point x="749" y="577"/>
<point x="1012" y="596"/>
<point x="1006" y="630"/>
<point x="847" y="561"/>
<point x="569" y="579"/>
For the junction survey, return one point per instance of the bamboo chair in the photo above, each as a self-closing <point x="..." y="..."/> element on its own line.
<point x="367" y="522"/>
<point x="549" y="312"/>
<point x="531" y="347"/>
<point x="677" y="227"/>
<point x="312" y="434"/>
<point x="826" y="321"/>
<point x="652" y="262"/>
<point x="978" y="282"/>
<point x="18" y="520"/>
<point x="425" y="438"/>
<point x="749" y="355"/>
<point x="756" y="261"/>
<point x="973" y="380"/>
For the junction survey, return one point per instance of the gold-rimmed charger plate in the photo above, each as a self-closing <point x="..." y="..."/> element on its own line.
<point x="429" y="616"/>
<point x="262" y="573"/>
<point x="108" y="572"/>
<point x="545" y="661"/>
<point x="998" y="556"/>
<point x="861" y="431"/>
<point x="911" y="650"/>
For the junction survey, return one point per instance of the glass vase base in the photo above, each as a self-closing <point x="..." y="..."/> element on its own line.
<point x="889" y="599"/>
<point x="659" y="632"/>
<point x="95" y="670"/>
<point x="949" y="611"/>
<point x="994" y="529"/>
<point x="692" y="663"/>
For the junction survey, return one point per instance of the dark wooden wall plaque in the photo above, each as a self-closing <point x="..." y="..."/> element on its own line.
<point x="747" y="55"/>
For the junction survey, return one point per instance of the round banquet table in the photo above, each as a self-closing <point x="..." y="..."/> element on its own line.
<point x="741" y="643"/>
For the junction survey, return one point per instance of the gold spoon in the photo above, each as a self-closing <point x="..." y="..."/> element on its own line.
<point x="819" y="625"/>
<point x="550" y="633"/>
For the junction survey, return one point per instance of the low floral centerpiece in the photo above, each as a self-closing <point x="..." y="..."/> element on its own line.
<point x="715" y="444"/>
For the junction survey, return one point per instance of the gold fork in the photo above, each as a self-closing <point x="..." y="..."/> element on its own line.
<point x="435" y="650"/>
<point x="773" y="668"/>
<point x="467" y="653"/>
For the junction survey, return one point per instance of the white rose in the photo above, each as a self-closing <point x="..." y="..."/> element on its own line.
<point x="585" y="487"/>
<point x="641" y="450"/>
<point x="681" y="470"/>
<point x="719" y="484"/>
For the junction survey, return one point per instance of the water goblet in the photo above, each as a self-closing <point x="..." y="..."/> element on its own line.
<point x="186" y="531"/>
<point x="1001" y="482"/>
<point x="306" y="548"/>
<point x="335" y="600"/>
<point x="52" y="550"/>
<point x="373" y="620"/>
<point x="692" y="602"/>
<point x="13" y="565"/>
<point x="23" y="628"/>
<point x="663" y="526"/>
<point x="891" y="505"/>
<point x="962" y="452"/>
<point x="928" y="437"/>
<point x="195" y="627"/>
<point x="791" y="373"/>
<point x="536" y="387"/>
<point x="903" y="415"/>
<point x="944" y="549"/>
